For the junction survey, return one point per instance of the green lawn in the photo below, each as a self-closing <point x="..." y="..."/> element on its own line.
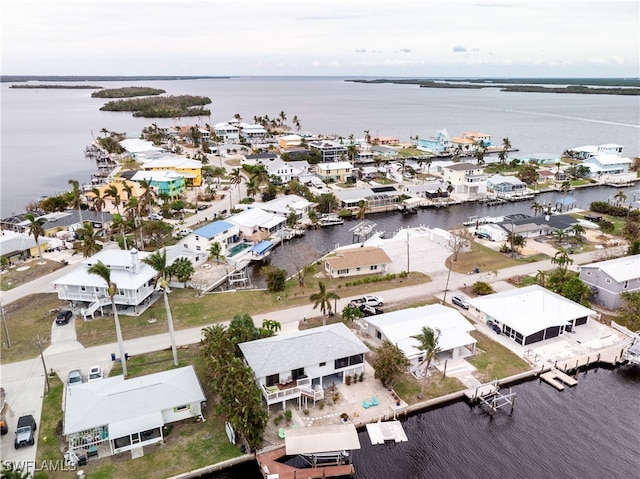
<point x="408" y="387"/>
<point x="487" y="259"/>
<point x="188" y="445"/>
<point x="494" y="361"/>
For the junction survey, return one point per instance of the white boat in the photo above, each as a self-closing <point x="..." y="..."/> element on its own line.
<point x="330" y="220"/>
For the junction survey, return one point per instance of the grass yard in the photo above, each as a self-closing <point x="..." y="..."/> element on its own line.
<point x="34" y="315"/>
<point x="409" y="387"/>
<point x="487" y="259"/>
<point x="494" y="361"/>
<point x="188" y="445"/>
<point x="26" y="271"/>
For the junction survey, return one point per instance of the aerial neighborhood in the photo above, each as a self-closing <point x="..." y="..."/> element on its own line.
<point x="234" y="284"/>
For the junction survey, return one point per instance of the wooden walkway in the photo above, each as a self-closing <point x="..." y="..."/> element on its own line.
<point x="558" y="379"/>
<point x="271" y="468"/>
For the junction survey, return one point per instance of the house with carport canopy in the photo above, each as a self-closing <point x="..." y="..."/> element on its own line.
<point x="530" y="314"/>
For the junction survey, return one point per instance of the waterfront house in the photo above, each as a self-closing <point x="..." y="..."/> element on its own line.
<point x="201" y="239"/>
<point x="252" y="133"/>
<point x="329" y="150"/>
<point x="463" y="144"/>
<point x="385" y="151"/>
<point x="431" y="189"/>
<point x="587" y="151"/>
<point x="286" y="204"/>
<point x="289" y="141"/>
<point x="114" y="414"/>
<point x="607" y="279"/>
<point x="542" y="159"/>
<point x="377" y="198"/>
<point x="506" y="186"/>
<point x="354" y="261"/>
<point x="438" y="144"/>
<point x="478" y="138"/>
<point x="398" y="327"/>
<point x="336" y="171"/>
<point x="226" y="132"/>
<point x="134" y="278"/>
<point x="61" y="224"/>
<point x="190" y="169"/>
<point x="299" y="365"/>
<point x="136" y="148"/>
<point x="256" y="219"/>
<point x="466" y="178"/>
<point x="528" y="226"/>
<point x="385" y="140"/>
<point x="164" y="182"/>
<point x="530" y="314"/>
<point x="607" y="165"/>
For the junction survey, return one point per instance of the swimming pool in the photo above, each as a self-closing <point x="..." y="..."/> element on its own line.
<point x="234" y="250"/>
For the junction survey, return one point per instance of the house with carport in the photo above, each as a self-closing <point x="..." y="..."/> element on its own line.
<point x="114" y="415"/>
<point x="608" y="279"/>
<point x="300" y="365"/>
<point x="350" y="261"/>
<point x="530" y="314"/>
<point x="398" y="327"/>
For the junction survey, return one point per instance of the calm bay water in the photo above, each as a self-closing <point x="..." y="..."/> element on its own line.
<point x="590" y="431"/>
<point x="44" y="132"/>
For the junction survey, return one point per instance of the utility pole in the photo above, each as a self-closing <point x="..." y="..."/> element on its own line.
<point x="46" y="373"/>
<point x="407" y="250"/>
<point x="4" y="324"/>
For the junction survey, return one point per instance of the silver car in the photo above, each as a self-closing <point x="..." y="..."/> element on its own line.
<point x="75" y="377"/>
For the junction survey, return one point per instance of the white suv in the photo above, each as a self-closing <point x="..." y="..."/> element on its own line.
<point x="95" y="373"/>
<point x="369" y="300"/>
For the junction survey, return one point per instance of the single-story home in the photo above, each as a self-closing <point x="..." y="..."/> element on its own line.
<point x="530" y="314"/>
<point x="608" y="279"/>
<point x="356" y="261"/>
<point x="125" y="414"/>
<point x="506" y="186"/>
<point x="301" y="364"/>
<point x="398" y="327"/>
<point x="20" y="246"/>
<point x="256" y="219"/>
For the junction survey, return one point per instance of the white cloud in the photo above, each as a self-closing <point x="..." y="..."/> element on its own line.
<point x="286" y="36"/>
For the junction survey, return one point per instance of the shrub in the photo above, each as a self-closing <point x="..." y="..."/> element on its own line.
<point x="287" y="415"/>
<point x="347" y="380"/>
<point x="305" y="412"/>
<point x="321" y="404"/>
<point x="278" y="419"/>
<point x="481" y="288"/>
<point x="361" y="378"/>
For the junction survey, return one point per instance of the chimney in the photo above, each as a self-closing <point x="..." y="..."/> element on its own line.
<point x="135" y="261"/>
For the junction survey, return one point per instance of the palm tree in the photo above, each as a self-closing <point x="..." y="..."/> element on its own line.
<point x="428" y="344"/>
<point x="214" y="251"/>
<point x="36" y="229"/>
<point x="323" y="299"/>
<point x="112" y="192"/>
<point x="506" y="146"/>
<point x="98" y="203"/>
<point x="102" y="270"/>
<point x="537" y="207"/>
<point x="76" y="200"/>
<point x="147" y="197"/>
<point x="89" y="240"/>
<point x="563" y="261"/>
<point x="236" y="179"/>
<point x="158" y="261"/>
<point x="620" y="197"/>
<point x="362" y="210"/>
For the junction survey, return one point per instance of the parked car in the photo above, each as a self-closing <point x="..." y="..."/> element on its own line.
<point x="156" y="216"/>
<point x="461" y="301"/>
<point x="202" y="207"/>
<point x="25" y="432"/>
<point x="75" y="377"/>
<point x="369" y="310"/>
<point x="369" y="300"/>
<point x="183" y="232"/>
<point x="95" y="373"/>
<point x="64" y="316"/>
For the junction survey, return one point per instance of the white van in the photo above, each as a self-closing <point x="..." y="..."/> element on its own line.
<point x="183" y="232"/>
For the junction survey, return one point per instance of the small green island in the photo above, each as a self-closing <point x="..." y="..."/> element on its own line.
<point x="57" y="87"/>
<point x="127" y="92"/>
<point x="162" y="106"/>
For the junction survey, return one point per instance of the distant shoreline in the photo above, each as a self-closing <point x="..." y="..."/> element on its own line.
<point x="68" y="78"/>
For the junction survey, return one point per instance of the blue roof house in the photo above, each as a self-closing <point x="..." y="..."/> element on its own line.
<point x="438" y="144"/>
<point x="201" y="239"/>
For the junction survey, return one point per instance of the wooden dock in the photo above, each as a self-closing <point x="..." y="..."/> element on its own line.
<point x="272" y="469"/>
<point x="481" y="391"/>
<point x="558" y="379"/>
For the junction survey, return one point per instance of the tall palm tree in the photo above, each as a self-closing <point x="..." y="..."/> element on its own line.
<point x="98" y="203"/>
<point x="506" y="146"/>
<point x="428" y="344"/>
<point x="236" y="179"/>
<point x="35" y="229"/>
<point x="537" y="207"/>
<point x="214" y="251"/>
<point x="147" y="197"/>
<point x="362" y="210"/>
<point x="89" y="240"/>
<point x="323" y="299"/>
<point x="76" y="200"/>
<point x="620" y="197"/>
<point x="112" y="192"/>
<point x="102" y="270"/>
<point x="158" y="261"/>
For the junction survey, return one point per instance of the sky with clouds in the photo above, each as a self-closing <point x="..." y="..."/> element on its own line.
<point x="403" y="38"/>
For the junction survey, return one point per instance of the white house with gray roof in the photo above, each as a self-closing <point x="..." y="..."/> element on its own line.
<point x="133" y="277"/>
<point x="113" y="415"/>
<point x="300" y="365"/>
<point x="607" y="279"/>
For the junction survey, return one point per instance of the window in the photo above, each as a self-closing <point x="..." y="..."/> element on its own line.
<point x="181" y="408"/>
<point x="374" y="267"/>
<point x="608" y="280"/>
<point x="273" y="379"/>
<point x="626" y="284"/>
<point x="322" y="364"/>
<point x="83" y="288"/>
<point x="198" y="248"/>
<point x="589" y="273"/>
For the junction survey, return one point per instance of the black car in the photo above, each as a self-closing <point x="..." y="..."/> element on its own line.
<point x="64" y="316"/>
<point x="202" y="207"/>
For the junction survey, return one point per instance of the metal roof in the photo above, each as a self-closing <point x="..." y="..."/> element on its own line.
<point x="319" y="439"/>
